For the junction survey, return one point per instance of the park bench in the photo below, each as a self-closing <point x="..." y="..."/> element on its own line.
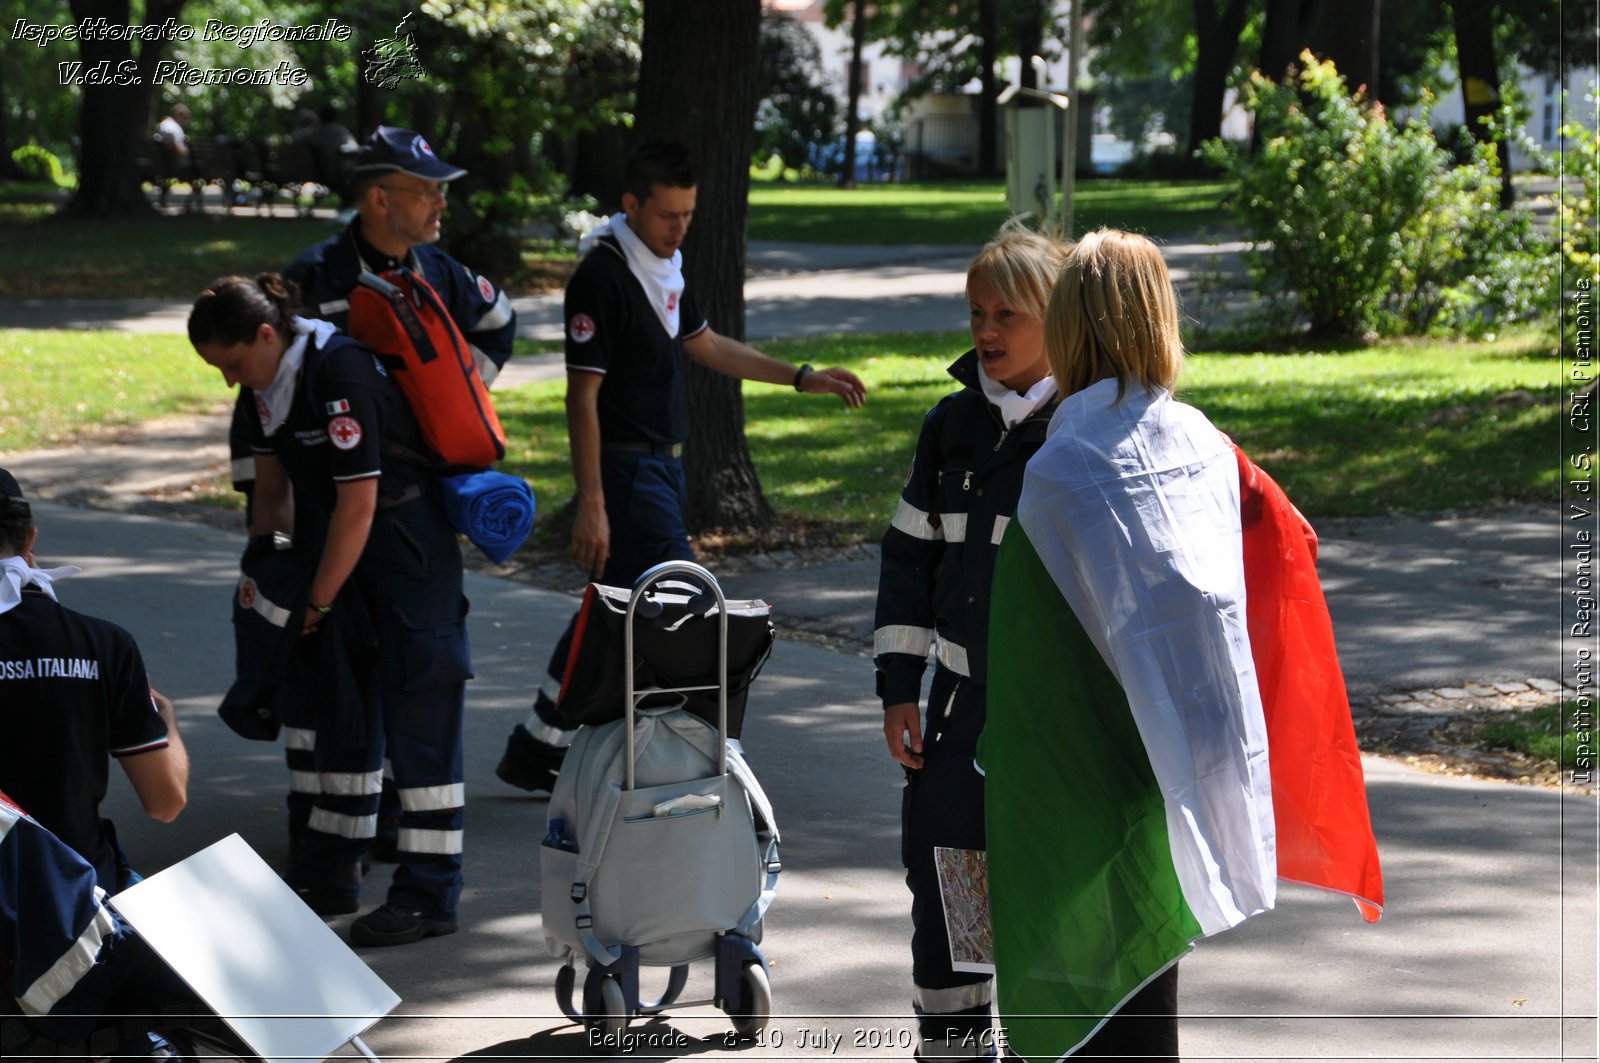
<point x="297" y="170"/>
<point x="211" y="161"/>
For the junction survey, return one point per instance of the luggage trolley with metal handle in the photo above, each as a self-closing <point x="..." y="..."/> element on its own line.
<point x="611" y="992"/>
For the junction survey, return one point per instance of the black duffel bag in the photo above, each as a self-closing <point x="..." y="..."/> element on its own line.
<point x="675" y="632"/>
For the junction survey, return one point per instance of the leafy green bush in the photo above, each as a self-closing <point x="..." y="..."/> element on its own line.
<point x="1364" y="226"/>
<point x="1580" y="192"/>
<point x="40" y="164"/>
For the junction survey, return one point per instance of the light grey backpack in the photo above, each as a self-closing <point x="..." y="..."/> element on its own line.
<point x="686" y="855"/>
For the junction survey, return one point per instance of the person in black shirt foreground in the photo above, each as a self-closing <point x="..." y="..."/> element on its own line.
<point x="630" y="322"/>
<point x="73" y="697"/>
<point x="335" y="444"/>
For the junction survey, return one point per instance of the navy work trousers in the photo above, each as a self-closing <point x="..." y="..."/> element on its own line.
<point x="409" y="733"/>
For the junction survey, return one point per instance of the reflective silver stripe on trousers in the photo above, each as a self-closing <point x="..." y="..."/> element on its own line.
<point x="388" y="770"/>
<point x="953" y="656"/>
<point x="305" y="782"/>
<point x="497" y="315"/>
<point x="243" y="469"/>
<point x="902" y="638"/>
<point x="435" y="842"/>
<point x="351" y="784"/>
<point x="955" y="527"/>
<point x="433" y="798"/>
<point x="956" y="998"/>
<point x="71" y="965"/>
<point x="299" y="738"/>
<point x="914" y="522"/>
<point x="549" y="734"/>
<point x="343" y="826"/>
<point x="487" y="370"/>
<point x="999" y="530"/>
<point x="276" y="615"/>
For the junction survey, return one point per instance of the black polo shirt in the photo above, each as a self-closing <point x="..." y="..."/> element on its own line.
<point x="72" y="690"/>
<point x="611" y="329"/>
<point x="345" y="407"/>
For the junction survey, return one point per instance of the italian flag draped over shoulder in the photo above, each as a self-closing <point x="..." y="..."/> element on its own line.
<point x="1161" y="747"/>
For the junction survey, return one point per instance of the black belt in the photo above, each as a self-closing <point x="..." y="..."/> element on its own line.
<point x="655" y="450"/>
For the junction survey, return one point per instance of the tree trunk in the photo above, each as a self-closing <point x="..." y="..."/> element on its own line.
<point x="1283" y="36"/>
<point x="1347" y="33"/>
<point x="9" y="170"/>
<point x="1216" y="45"/>
<point x="697" y="85"/>
<point x="1030" y="42"/>
<point x="852" y="119"/>
<point x="114" y="118"/>
<point x="1480" y="80"/>
<point x="988" y="110"/>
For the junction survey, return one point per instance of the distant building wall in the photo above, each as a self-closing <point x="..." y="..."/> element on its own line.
<point x="1543" y="98"/>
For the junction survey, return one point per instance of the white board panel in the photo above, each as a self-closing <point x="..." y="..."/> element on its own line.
<point x="256" y="954"/>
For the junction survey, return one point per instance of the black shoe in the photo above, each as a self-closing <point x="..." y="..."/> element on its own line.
<point x="325" y="903"/>
<point x="394" y="924"/>
<point x="529" y="765"/>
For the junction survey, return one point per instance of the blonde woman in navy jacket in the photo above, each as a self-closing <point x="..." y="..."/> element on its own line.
<point x="933" y="596"/>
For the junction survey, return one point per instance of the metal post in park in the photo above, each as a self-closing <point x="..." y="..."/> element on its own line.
<point x="1033" y="156"/>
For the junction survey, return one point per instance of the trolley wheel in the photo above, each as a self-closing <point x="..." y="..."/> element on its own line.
<point x="612" y="1020"/>
<point x="566" y="980"/>
<point x="755" y="1002"/>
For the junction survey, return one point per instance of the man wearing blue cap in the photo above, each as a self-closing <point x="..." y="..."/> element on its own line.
<point x="400" y="190"/>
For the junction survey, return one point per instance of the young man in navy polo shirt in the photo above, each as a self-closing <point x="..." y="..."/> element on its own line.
<point x="74" y="697"/>
<point x="630" y="322"/>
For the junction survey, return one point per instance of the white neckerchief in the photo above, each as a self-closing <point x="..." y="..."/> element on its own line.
<point x="277" y="399"/>
<point x="661" y="278"/>
<point x="1014" y="408"/>
<point x="16" y="574"/>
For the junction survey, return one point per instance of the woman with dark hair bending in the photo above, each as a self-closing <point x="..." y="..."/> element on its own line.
<point x="339" y="466"/>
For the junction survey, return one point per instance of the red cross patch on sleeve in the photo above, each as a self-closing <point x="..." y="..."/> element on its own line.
<point x="581" y="328"/>
<point x="345" y="432"/>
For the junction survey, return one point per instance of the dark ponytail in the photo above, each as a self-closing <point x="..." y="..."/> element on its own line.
<point x="232" y="309"/>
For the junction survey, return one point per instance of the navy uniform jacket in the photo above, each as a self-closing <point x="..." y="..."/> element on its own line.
<point x="326" y="275"/>
<point x="939" y="551"/>
<point x="52" y="917"/>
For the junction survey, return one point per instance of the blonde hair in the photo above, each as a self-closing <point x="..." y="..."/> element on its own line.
<point x="1020" y="264"/>
<point x="1113" y="314"/>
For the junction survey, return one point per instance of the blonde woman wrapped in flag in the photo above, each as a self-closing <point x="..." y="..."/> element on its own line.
<point x="1160" y="747"/>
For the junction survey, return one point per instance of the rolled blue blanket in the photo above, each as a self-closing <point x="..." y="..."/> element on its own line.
<point x="493" y="509"/>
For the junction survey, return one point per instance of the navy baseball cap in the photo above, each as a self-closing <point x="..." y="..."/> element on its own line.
<point x="11" y="500"/>
<point x="403" y="151"/>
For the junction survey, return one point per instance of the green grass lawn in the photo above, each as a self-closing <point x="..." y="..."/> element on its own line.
<point x="154" y="258"/>
<point x="1391" y="429"/>
<point x="59" y="387"/>
<point x="1394" y="429"/>
<point x="970" y="212"/>
<point x="1548" y="733"/>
